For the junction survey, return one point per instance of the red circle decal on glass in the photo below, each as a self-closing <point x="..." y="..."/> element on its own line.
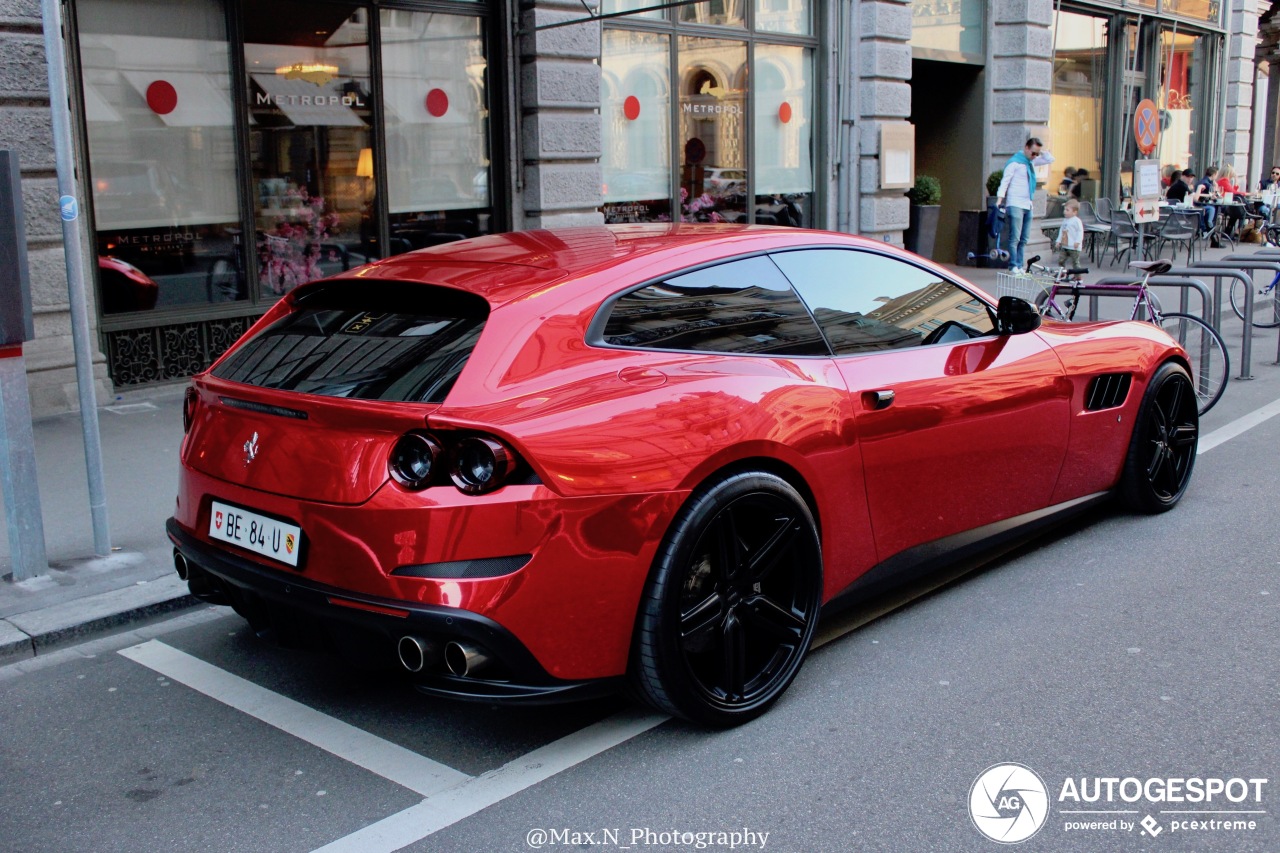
<point x="631" y="108"/>
<point x="784" y="112"/>
<point x="437" y="102"/>
<point x="162" y="97"/>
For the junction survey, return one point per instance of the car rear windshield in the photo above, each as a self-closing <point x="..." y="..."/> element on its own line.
<point x="364" y="340"/>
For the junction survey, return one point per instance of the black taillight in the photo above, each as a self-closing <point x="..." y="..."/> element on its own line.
<point x="414" y="459"/>
<point x="189" y="401"/>
<point x="481" y="464"/>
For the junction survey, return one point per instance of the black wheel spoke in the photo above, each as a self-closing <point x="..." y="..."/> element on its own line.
<point x="767" y="557"/>
<point x="728" y="545"/>
<point x="768" y="615"/>
<point x="1185" y="436"/>
<point x="734" y="646"/>
<point x="1158" y="459"/>
<point x="698" y="621"/>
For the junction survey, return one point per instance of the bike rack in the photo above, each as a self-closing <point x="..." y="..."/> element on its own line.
<point x="1239" y="263"/>
<point x="1181" y="277"/>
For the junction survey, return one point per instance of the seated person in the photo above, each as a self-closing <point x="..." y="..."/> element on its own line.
<point x="1227" y="185"/>
<point x="1270" y="188"/>
<point x="1068" y="179"/>
<point x="1080" y="176"/>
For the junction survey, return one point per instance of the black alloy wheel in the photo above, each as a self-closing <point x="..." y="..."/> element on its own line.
<point x="1162" y="451"/>
<point x="731" y="604"/>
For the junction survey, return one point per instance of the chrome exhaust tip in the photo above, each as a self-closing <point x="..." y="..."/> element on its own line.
<point x="181" y="565"/>
<point x="416" y="653"/>
<point x="464" y="659"/>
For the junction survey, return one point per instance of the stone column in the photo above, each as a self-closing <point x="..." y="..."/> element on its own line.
<point x="26" y="127"/>
<point x="883" y="95"/>
<point x="559" y="121"/>
<point x="1021" y="78"/>
<point x="1242" y="40"/>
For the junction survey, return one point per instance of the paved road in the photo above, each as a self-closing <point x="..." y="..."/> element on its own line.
<point x="1120" y="647"/>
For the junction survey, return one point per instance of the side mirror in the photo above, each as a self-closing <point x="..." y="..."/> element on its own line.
<point x="1016" y="316"/>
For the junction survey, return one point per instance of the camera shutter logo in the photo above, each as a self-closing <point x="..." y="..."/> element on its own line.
<point x="1008" y="803"/>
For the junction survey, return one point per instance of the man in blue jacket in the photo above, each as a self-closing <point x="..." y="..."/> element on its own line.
<point x="1017" y="188"/>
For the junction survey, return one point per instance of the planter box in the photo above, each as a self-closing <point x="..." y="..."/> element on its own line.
<point x="923" y="229"/>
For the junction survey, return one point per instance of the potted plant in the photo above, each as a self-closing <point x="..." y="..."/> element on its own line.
<point x="993" y="184"/>
<point x="926" y="200"/>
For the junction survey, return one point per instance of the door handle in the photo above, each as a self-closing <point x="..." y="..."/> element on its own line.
<point x="876" y="400"/>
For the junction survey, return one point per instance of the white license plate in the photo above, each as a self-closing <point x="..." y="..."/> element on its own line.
<point x="266" y="536"/>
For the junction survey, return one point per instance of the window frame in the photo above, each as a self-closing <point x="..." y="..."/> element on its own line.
<point x="600" y="321"/>
<point x="748" y="34"/>
<point x="977" y="295"/>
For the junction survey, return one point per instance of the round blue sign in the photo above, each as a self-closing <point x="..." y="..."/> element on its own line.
<point x="70" y="209"/>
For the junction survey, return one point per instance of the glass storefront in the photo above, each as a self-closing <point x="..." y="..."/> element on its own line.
<point x="742" y="113"/>
<point x="310" y="119"/>
<point x="162" y="174"/>
<point x="1079" y="91"/>
<point x="1100" y="78"/>
<point x="239" y="149"/>
<point x="952" y="30"/>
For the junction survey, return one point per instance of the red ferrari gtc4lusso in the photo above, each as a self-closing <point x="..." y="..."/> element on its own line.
<point x="543" y="464"/>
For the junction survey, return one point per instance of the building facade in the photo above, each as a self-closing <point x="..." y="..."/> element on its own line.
<point x="229" y="150"/>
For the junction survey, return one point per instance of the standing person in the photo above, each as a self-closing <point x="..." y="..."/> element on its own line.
<point x="1071" y="237"/>
<point x="1017" y="188"/>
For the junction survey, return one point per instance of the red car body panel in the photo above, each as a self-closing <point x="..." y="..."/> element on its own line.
<point x="980" y="431"/>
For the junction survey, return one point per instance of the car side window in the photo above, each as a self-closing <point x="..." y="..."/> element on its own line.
<point x="741" y="307"/>
<point x="867" y="302"/>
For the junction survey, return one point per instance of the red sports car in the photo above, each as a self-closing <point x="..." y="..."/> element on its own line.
<point x="541" y="464"/>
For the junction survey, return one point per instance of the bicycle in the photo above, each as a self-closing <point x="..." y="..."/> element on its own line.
<point x="1266" y="306"/>
<point x="1207" y="351"/>
<point x="1073" y="278"/>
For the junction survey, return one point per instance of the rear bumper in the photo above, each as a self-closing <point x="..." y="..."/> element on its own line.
<point x="303" y="611"/>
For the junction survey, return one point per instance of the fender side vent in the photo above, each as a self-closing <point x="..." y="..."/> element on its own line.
<point x="1107" y="391"/>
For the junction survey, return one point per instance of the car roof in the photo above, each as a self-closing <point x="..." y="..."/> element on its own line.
<point x="515" y="265"/>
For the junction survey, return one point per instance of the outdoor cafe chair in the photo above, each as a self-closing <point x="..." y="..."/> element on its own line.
<point x="1094" y="229"/>
<point x="1182" y="227"/>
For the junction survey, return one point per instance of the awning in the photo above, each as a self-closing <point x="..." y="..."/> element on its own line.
<point x="201" y="103"/>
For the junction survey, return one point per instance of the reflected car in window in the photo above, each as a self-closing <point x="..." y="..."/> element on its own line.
<point x="549" y="464"/>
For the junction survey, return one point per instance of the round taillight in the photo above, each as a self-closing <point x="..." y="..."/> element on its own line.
<point x="413" y="459"/>
<point x="189" y="401"/>
<point x="481" y="465"/>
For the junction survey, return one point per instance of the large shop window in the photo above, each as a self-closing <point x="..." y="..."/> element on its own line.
<point x="437" y="128"/>
<point x="310" y="139"/>
<point x="1079" y="95"/>
<point x="636" y="94"/>
<point x="1182" y="64"/>
<point x="162" y="154"/>
<point x="721" y="131"/>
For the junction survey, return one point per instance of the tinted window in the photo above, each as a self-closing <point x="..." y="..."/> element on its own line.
<point x="866" y="302"/>
<point x="366" y="340"/>
<point x="744" y="306"/>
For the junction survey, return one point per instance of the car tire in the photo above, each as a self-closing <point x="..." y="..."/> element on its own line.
<point x="731" y="603"/>
<point x="1162" y="450"/>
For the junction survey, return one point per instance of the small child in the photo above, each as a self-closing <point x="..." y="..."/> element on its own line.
<point x="1071" y="237"/>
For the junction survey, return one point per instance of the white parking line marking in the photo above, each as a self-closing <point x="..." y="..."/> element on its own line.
<point x="1237" y="427"/>
<point x="448" y="807"/>
<point x="388" y="760"/>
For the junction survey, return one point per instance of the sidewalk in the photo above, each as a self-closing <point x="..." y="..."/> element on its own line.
<point x="83" y="595"/>
<point x="141" y="433"/>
